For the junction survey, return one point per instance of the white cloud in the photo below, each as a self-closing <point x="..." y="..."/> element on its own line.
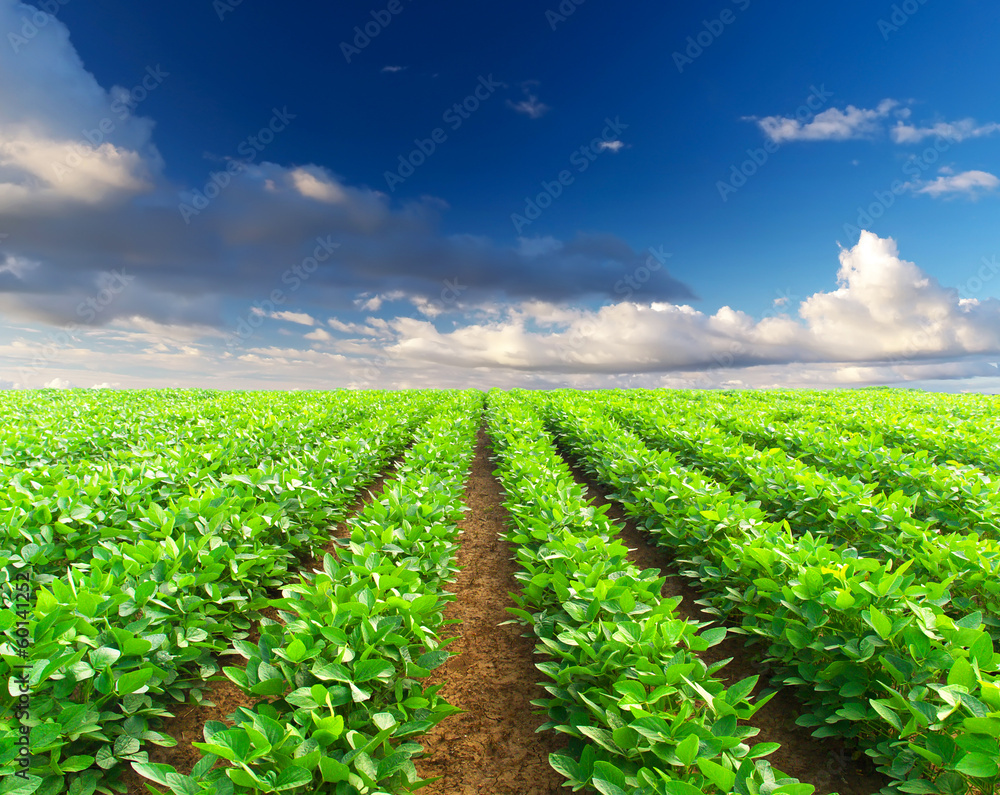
<point x="971" y="184"/>
<point x="58" y="383"/>
<point x="885" y="309"/>
<point x="613" y="146"/>
<point x="952" y="131"/>
<point x="394" y="68"/>
<point x="832" y="124"/>
<point x="530" y="106"/>
<point x="886" y="322"/>
<point x="63" y="138"/>
<point x="367" y="302"/>
<point x="302" y="318"/>
<point x="315" y="183"/>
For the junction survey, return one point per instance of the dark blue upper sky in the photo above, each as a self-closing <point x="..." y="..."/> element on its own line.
<point x="685" y="129"/>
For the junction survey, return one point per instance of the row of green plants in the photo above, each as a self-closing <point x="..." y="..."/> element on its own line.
<point x="151" y="595"/>
<point x="955" y="496"/>
<point x="333" y="689"/>
<point x="869" y="648"/>
<point x="960" y="428"/>
<point x="59" y="426"/>
<point x="57" y="515"/>
<point x="845" y="510"/>
<point x="643" y="713"/>
<point x="937" y="408"/>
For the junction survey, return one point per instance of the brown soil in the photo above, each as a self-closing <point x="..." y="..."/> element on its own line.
<point x="188" y="723"/>
<point x="491" y="748"/>
<point x="826" y="764"/>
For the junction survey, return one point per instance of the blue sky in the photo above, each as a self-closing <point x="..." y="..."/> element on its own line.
<point x="655" y="260"/>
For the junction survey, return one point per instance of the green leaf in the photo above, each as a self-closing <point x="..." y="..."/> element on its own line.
<point x="887" y="714"/>
<point x="978" y="766"/>
<point x="918" y="787"/>
<point x="602" y="737"/>
<point x="296" y="650"/>
<point x="366" y="670"/>
<point x="126" y="746"/>
<point x="292" y="777"/>
<point x="681" y="788"/>
<point x="982" y="652"/>
<point x="134" y="682"/>
<point x="333" y="771"/>
<point x="12" y="785"/>
<point x="392" y="764"/>
<point x="990" y="726"/>
<point x="183" y="785"/>
<point x="232" y="745"/>
<point x="270" y="687"/>
<point x="85" y="783"/>
<point x="608" y="779"/>
<point x="687" y="750"/>
<point x="153" y="772"/>
<point x="763" y="749"/>
<point x="104" y="656"/>
<point x="718" y="775"/>
<point x="76" y="763"/>
<point x="433" y="659"/>
<point x="961" y="673"/>
<point x="565" y="765"/>
<point x="880" y="623"/>
<point x="331" y="672"/>
<point x="742" y="689"/>
<point x="794" y="789"/>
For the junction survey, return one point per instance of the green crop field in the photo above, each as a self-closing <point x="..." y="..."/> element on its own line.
<point x="773" y="593"/>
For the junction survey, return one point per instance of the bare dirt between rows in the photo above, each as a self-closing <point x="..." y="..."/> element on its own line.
<point x="825" y="764"/>
<point x="225" y="697"/>
<point x="491" y="749"/>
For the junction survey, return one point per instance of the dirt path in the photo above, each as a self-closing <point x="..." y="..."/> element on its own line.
<point x="826" y="764"/>
<point x="492" y="748"/>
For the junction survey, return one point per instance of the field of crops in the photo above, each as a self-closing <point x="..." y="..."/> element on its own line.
<point x="353" y="593"/>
